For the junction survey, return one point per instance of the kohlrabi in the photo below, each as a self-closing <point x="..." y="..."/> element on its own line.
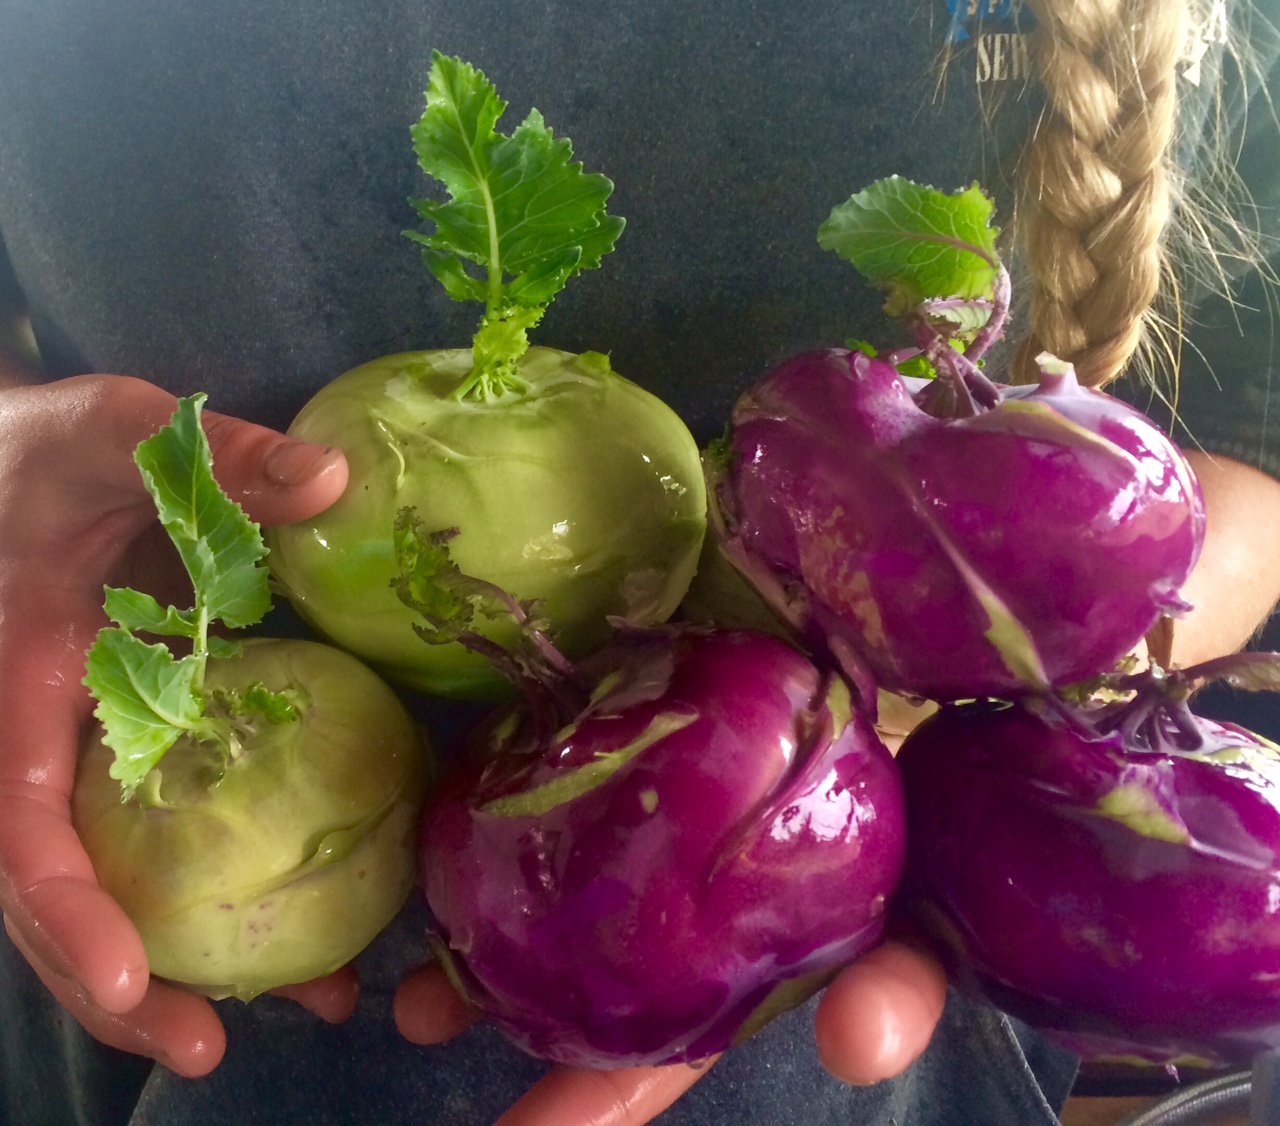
<point x="252" y="806"/>
<point x="660" y="846"/>
<point x="953" y="537"/>
<point x="1107" y="871"/>
<point x="566" y="482"/>
<point x="699" y="847"/>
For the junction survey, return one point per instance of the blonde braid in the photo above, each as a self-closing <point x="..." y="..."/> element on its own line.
<point x="1095" y="179"/>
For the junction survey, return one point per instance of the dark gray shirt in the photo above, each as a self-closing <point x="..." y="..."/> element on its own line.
<point x="211" y="195"/>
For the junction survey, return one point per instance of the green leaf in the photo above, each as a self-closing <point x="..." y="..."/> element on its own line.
<point x="220" y="547"/>
<point x="451" y="602"/>
<point x="919" y="367"/>
<point x="960" y="318"/>
<point x="496" y="346"/>
<point x="147" y="698"/>
<point x="255" y="701"/>
<point x="224" y="648"/>
<point x="274" y="707"/>
<point x="916" y="242"/>
<point x="431" y="583"/>
<point x="133" y="610"/>
<point x="518" y="206"/>
<point x="449" y="272"/>
<point x="146" y="701"/>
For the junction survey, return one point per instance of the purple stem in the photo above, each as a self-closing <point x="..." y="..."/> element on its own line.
<point x="993" y="330"/>
<point x="973" y="392"/>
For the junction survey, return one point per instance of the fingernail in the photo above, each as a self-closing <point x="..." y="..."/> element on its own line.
<point x="292" y="463"/>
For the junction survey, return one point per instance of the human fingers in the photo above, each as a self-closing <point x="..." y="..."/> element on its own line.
<point x="47" y="884"/>
<point x="277" y="479"/>
<point x="428" y="1010"/>
<point x="67" y="456"/>
<point x="68" y="484"/>
<point x="171" y="1026"/>
<point x="332" y="997"/>
<point x="631" y="1096"/>
<point x="878" y="1015"/>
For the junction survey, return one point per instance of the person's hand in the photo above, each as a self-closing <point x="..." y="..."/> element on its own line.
<point x="1236" y="582"/>
<point x="74" y="516"/>
<point x="874" y="1019"/>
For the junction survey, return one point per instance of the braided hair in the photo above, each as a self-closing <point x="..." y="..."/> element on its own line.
<point x="1096" y="179"/>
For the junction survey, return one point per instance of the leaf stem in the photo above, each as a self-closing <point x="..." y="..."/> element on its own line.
<point x="493" y="303"/>
<point x="200" y="646"/>
<point x="993" y="330"/>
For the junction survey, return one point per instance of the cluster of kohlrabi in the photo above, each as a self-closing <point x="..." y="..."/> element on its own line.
<point x="654" y="848"/>
<point x="252" y="805"/>
<point x="564" y="481"/>
<point x="660" y="843"/>
<point x="1084" y="850"/>
<point x="664" y="841"/>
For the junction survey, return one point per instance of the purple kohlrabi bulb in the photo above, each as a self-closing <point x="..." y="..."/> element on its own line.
<point x="1119" y="892"/>
<point x="702" y="847"/>
<point x="1030" y="544"/>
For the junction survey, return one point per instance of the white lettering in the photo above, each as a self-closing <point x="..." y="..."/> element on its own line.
<point x="999" y="58"/>
<point x="984" y="59"/>
<point x="1002" y="57"/>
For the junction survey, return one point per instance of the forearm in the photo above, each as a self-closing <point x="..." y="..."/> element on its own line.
<point x="1236" y="583"/>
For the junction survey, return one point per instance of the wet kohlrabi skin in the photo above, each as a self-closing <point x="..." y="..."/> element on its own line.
<point x="585" y="492"/>
<point x="1128" y="903"/>
<point x="1029" y="545"/>
<point x="701" y="849"/>
<point x="288" y="865"/>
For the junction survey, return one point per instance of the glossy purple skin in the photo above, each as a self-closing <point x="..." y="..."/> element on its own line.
<point x="1162" y="945"/>
<point x="646" y="920"/>
<point x="848" y="493"/>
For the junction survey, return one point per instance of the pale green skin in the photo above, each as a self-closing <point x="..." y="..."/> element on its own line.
<point x="288" y="866"/>
<point x="585" y="492"/>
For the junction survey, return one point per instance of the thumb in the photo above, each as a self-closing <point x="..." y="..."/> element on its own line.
<point x="277" y="479"/>
<point x="82" y="431"/>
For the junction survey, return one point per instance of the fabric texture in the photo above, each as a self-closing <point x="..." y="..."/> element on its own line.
<point x="211" y="196"/>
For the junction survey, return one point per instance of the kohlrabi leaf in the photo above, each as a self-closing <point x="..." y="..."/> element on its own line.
<point x="147" y="697"/>
<point x="224" y="648"/>
<point x="916" y="242"/>
<point x="257" y="701"/>
<point x="501" y="337"/>
<point x="220" y="547"/>
<point x="146" y="701"/>
<point x="960" y="316"/>
<point x="451" y="604"/>
<point x="134" y="610"/>
<point x="519" y="207"/>
<point x="1249" y="671"/>
<point x="431" y="583"/>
